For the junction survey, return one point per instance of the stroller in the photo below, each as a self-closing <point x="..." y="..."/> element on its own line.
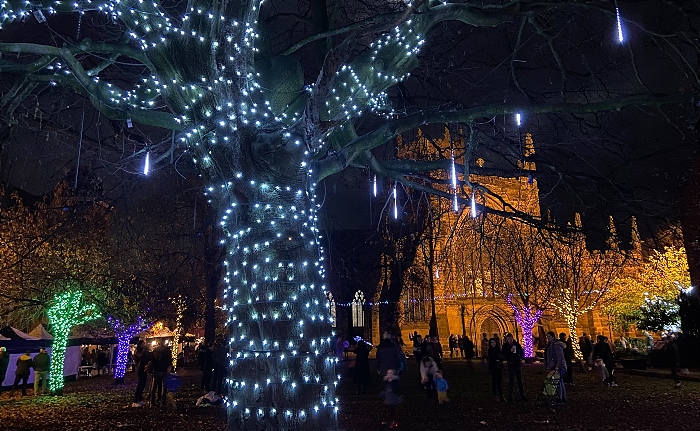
<point x="548" y="396"/>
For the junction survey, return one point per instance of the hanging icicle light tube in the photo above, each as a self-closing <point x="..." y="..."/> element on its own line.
<point x="147" y="163"/>
<point x="620" y="36"/>
<point x="396" y="205"/>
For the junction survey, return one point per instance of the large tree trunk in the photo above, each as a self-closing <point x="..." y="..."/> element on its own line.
<point x="690" y="224"/>
<point x="212" y="274"/>
<point x="282" y="372"/>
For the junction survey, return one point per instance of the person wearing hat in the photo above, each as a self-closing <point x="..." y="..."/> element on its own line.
<point x="41" y="372"/>
<point x="514" y="355"/>
<point x="4" y="363"/>
<point x="24" y="364"/>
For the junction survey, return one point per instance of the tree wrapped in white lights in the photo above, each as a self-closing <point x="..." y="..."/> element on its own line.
<point x="263" y="128"/>
<point x="180" y="306"/>
<point x="583" y="277"/>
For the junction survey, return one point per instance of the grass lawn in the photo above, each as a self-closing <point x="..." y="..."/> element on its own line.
<point x="638" y="403"/>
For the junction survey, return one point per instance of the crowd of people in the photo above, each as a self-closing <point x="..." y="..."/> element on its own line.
<point x="500" y="355"/>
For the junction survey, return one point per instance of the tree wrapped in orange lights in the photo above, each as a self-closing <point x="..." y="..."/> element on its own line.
<point x="661" y="276"/>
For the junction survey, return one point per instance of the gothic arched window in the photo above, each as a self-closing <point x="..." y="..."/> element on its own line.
<point x="358" y="305"/>
<point x="331" y="307"/>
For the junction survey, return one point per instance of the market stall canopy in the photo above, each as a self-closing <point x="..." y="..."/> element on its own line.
<point x="17" y="341"/>
<point x="41" y="333"/>
<point x="92" y="337"/>
<point x="16" y="334"/>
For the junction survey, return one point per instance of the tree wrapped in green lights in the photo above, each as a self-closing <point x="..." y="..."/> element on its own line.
<point x="68" y="310"/>
<point x="265" y="123"/>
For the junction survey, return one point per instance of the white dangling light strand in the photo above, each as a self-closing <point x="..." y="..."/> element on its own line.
<point x="517" y="119"/>
<point x="374" y="186"/>
<point x="396" y="205"/>
<point x="454" y="180"/>
<point x="147" y="164"/>
<point x="454" y="171"/>
<point x="620" y="36"/>
<point x="473" y="205"/>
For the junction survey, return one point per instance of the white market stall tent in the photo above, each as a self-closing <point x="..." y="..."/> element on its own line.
<point x="18" y="343"/>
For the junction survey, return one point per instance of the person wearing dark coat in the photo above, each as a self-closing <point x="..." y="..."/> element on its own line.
<point x="674" y="358"/>
<point x="161" y="360"/>
<point x="141" y="359"/>
<point x="24" y="365"/>
<point x="495" y="359"/>
<point x="41" y="363"/>
<point x="101" y="362"/>
<point x="513" y="353"/>
<point x="602" y="351"/>
<point x="220" y="356"/>
<point x="417" y="346"/>
<point x="4" y="363"/>
<point x="388" y="355"/>
<point x="361" y="373"/>
<point x="484" y="347"/>
<point x="436" y="348"/>
<point x="207" y="358"/>
<point x="554" y="361"/>
<point x="584" y="343"/>
<point x="468" y="348"/>
<point x="569" y="358"/>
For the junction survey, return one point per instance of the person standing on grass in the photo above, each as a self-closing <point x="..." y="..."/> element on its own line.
<point x="437" y="351"/>
<point x="441" y="387"/>
<point x="514" y="355"/>
<point x="602" y="351"/>
<point x="484" y="348"/>
<point x="388" y="355"/>
<point x="4" y="363"/>
<point x="554" y="361"/>
<point x="141" y="359"/>
<point x="417" y="346"/>
<point x="159" y="364"/>
<point x="24" y="365"/>
<point x="495" y="361"/>
<point x="674" y="358"/>
<point x="584" y="343"/>
<point x="101" y="362"/>
<point x="428" y="368"/>
<point x="392" y="396"/>
<point x="468" y="351"/>
<point x="569" y="358"/>
<point x="361" y="374"/>
<point x="41" y="372"/>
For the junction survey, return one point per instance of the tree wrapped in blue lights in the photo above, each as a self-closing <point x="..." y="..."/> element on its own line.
<point x="125" y="332"/>
<point x="264" y="131"/>
<point x="68" y="310"/>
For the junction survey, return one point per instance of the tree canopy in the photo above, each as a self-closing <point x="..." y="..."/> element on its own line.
<point x="269" y="98"/>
